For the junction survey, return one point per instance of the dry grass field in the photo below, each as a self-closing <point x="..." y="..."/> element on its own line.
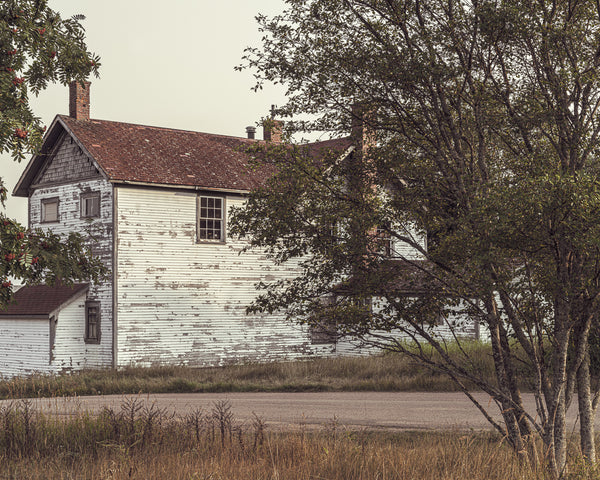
<point x="143" y="442"/>
<point x="146" y="443"/>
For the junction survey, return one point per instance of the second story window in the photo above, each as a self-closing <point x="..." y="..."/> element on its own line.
<point x="384" y="240"/>
<point x="49" y="212"/>
<point x="90" y="204"/>
<point x="211" y="219"/>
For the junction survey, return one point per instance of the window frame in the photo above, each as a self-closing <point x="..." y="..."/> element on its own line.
<point x="325" y="331"/>
<point x="43" y="206"/>
<point x="89" y="304"/>
<point x="52" y="337"/>
<point x="83" y="198"/>
<point x="200" y="218"/>
<point x="384" y="239"/>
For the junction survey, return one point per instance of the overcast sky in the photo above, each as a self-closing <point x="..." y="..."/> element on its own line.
<point x="164" y="63"/>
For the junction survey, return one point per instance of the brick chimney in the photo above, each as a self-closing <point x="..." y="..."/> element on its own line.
<point x="79" y="100"/>
<point x="272" y="129"/>
<point x="363" y="133"/>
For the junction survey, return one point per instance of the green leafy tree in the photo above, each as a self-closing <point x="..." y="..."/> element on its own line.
<point x="480" y="129"/>
<point x="37" y="46"/>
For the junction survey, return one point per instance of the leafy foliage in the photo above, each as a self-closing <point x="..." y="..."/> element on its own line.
<point x="480" y="130"/>
<point x="37" y="47"/>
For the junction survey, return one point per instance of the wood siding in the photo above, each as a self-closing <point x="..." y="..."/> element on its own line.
<point x="70" y="220"/>
<point x="70" y="351"/>
<point x="25" y="346"/>
<point x="182" y="301"/>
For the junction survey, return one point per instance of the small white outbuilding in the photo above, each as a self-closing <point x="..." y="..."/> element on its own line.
<point x="43" y="331"/>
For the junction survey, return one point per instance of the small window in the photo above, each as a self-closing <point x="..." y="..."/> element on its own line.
<point x="49" y="210"/>
<point x="324" y="329"/>
<point x="324" y="333"/>
<point x="211" y="219"/>
<point x="90" y="205"/>
<point x="52" y="337"/>
<point x="384" y="240"/>
<point x="92" y="322"/>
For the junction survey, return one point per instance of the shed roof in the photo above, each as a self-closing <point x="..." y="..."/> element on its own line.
<point x="41" y="300"/>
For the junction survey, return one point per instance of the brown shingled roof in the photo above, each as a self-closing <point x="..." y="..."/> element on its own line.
<point x="41" y="300"/>
<point x="139" y="153"/>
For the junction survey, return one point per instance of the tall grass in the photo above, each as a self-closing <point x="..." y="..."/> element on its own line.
<point x="144" y="442"/>
<point x="389" y="372"/>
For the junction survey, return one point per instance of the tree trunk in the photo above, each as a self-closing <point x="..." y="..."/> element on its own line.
<point x="586" y="414"/>
<point x="560" y="437"/>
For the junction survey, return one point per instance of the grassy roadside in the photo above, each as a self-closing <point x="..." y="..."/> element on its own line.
<point x="143" y="442"/>
<point x="390" y="372"/>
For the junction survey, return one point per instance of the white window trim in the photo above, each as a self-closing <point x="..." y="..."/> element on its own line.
<point x="223" y="234"/>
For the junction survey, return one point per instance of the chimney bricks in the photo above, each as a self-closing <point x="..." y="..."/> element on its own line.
<point x="272" y="130"/>
<point x="79" y="100"/>
<point x="250" y="131"/>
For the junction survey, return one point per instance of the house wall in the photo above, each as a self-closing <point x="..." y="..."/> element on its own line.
<point x="184" y="302"/>
<point x="80" y="176"/>
<point x="454" y="326"/>
<point x="70" y="352"/>
<point x="25" y="346"/>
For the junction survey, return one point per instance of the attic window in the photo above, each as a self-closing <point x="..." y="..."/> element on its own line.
<point x="49" y="213"/>
<point x="211" y="219"/>
<point x="90" y="204"/>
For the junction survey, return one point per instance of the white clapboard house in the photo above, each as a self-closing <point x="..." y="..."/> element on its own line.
<point x="157" y="202"/>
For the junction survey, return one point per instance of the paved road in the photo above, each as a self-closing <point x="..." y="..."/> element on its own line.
<point x="386" y="410"/>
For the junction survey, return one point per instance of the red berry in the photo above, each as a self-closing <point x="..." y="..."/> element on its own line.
<point x="20" y="235"/>
<point x="19" y="133"/>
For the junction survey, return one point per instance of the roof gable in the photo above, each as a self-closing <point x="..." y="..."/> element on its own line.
<point x="41" y="300"/>
<point x="67" y="163"/>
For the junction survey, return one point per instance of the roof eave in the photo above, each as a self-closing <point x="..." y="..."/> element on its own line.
<point x="33" y="167"/>
<point x="179" y="186"/>
<point x="35" y="164"/>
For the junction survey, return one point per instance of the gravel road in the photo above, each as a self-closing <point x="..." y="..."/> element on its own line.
<point x="378" y="410"/>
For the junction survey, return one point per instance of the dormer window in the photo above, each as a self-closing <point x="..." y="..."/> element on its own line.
<point x="49" y="213"/>
<point x="90" y="204"/>
<point x="211" y="219"/>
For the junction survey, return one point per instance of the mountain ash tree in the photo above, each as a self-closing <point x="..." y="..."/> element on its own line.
<point x="37" y="47"/>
